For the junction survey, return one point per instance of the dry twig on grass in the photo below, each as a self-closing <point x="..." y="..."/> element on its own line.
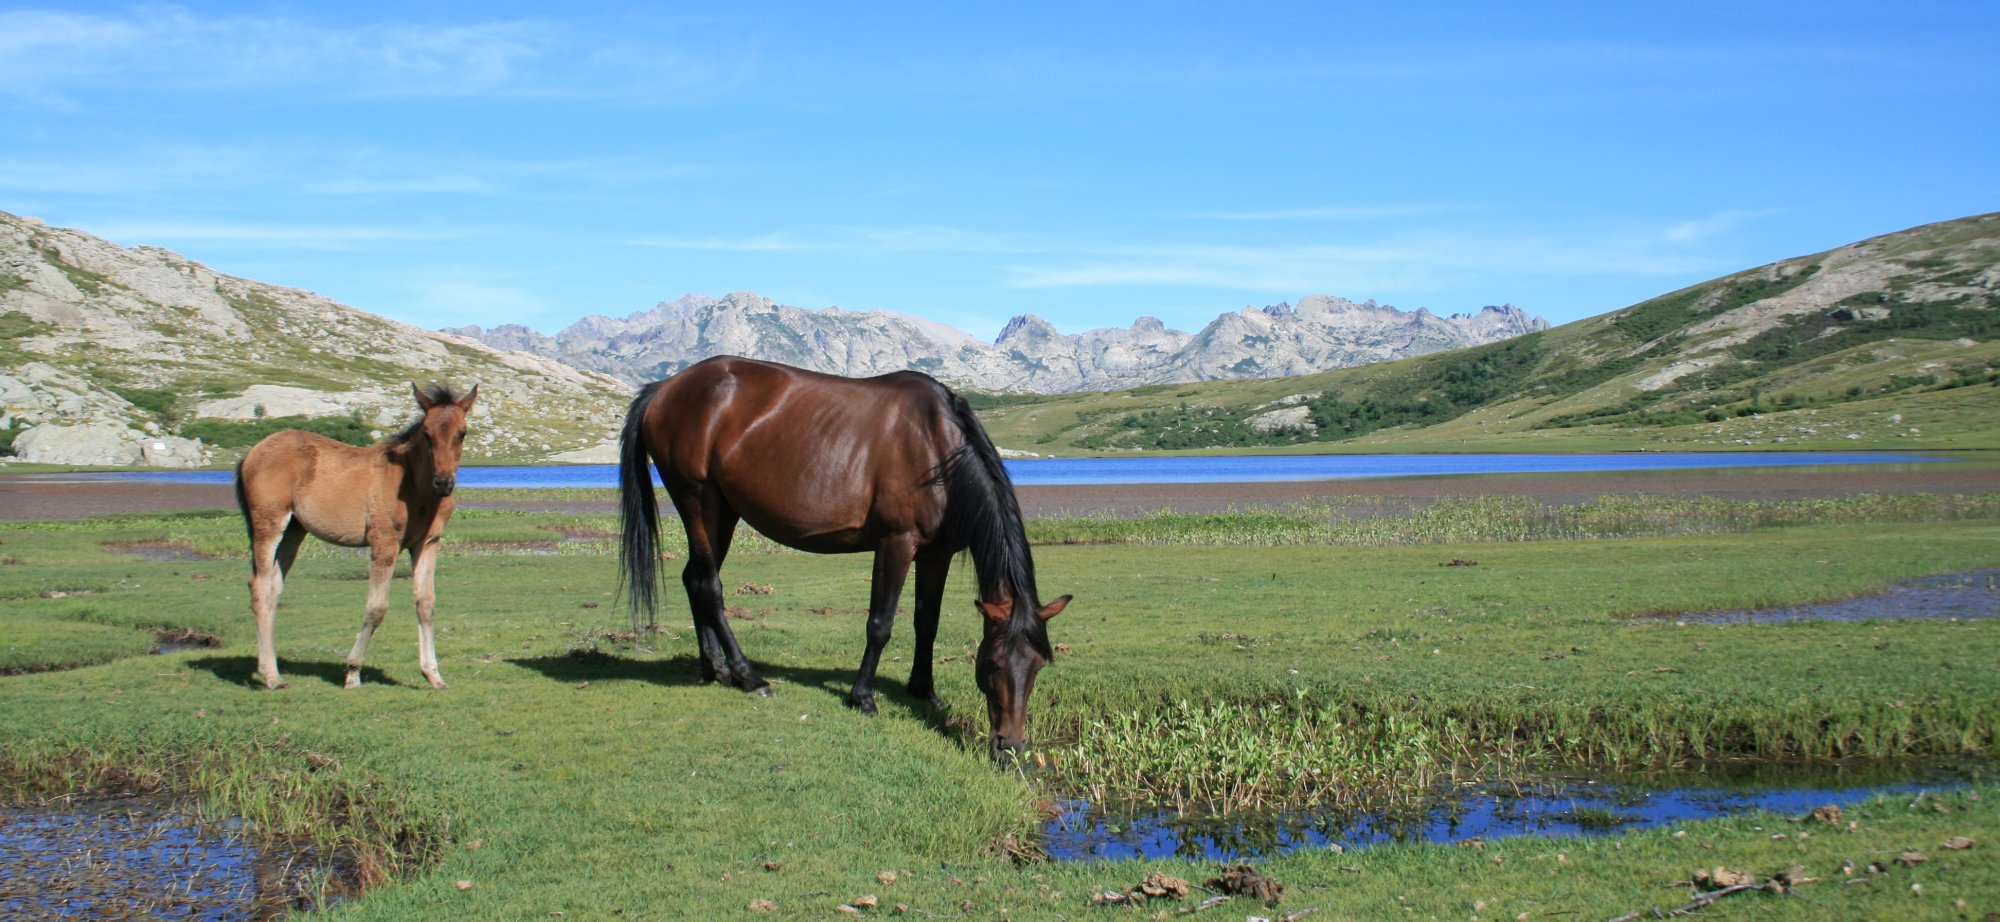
<point x="1700" y="900"/>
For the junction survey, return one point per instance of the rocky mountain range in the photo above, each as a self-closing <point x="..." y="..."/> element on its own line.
<point x="1030" y="354"/>
<point x="111" y="355"/>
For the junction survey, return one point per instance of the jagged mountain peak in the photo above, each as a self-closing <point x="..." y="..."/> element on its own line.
<point x="1029" y="354"/>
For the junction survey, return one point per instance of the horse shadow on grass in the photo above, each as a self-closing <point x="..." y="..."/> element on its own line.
<point x="242" y="670"/>
<point x="597" y="666"/>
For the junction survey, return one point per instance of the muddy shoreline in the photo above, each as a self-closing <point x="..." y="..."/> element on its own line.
<point x="59" y="496"/>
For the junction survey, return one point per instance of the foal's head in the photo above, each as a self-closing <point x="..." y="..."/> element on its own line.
<point x="1011" y="652"/>
<point x="442" y="431"/>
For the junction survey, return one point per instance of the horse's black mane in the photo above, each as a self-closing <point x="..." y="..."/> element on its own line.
<point x="982" y="515"/>
<point x="435" y="393"/>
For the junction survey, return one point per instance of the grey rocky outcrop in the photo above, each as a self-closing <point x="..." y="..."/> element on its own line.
<point x="106" y="443"/>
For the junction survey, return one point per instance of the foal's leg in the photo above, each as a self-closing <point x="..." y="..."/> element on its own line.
<point x="931" y="573"/>
<point x="274" y="542"/>
<point x="381" y="566"/>
<point x="710" y="526"/>
<point x="423" y="578"/>
<point x="892" y="565"/>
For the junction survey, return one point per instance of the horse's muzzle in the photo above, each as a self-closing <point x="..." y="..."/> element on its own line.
<point x="444" y="485"/>
<point x="1005" y="751"/>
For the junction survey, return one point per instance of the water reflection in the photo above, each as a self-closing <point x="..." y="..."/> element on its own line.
<point x="141" y="858"/>
<point x="1966" y="594"/>
<point x="1558" y="806"/>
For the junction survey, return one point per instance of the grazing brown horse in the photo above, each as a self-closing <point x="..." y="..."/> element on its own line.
<point x="391" y="497"/>
<point x="896" y="465"/>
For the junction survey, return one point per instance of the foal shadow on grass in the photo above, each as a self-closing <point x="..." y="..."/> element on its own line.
<point x="242" y="670"/>
<point x="598" y="666"/>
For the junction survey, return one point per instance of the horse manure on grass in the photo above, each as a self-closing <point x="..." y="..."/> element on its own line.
<point x="1243" y="880"/>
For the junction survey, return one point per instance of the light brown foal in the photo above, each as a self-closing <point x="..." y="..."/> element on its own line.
<point x="390" y="497"/>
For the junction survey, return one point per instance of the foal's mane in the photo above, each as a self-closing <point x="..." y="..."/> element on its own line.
<point x="435" y="393"/>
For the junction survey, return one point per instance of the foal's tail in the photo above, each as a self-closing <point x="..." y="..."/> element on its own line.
<point x="243" y="506"/>
<point x="639" y="511"/>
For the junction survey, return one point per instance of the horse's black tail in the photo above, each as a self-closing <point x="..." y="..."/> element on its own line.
<point x="639" y="511"/>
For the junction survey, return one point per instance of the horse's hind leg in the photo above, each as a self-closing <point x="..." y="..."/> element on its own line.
<point x="274" y="543"/>
<point x="710" y="526"/>
<point x="381" y="566"/>
<point x="423" y="579"/>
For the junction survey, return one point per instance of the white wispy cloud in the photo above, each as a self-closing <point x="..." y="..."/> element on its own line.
<point x="1405" y="261"/>
<point x="51" y="56"/>
<point x="916" y="239"/>
<point x="1331" y="213"/>
<point x="1717" y="223"/>
<point x="325" y="237"/>
<point x="459" y="300"/>
<point x="779" y="242"/>
<point x="443" y="183"/>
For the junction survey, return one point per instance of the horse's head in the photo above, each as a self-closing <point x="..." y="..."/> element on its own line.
<point x="442" y="431"/>
<point x="1011" y="652"/>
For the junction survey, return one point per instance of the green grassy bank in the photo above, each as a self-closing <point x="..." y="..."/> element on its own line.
<point x="568" y="771"/>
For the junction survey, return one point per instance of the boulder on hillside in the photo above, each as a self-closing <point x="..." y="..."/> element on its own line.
<point x="106" y="444"/>
<point x="260" y="401"/>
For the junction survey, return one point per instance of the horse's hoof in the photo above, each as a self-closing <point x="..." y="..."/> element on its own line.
<point x="864" y="705"/>
<point x="353" y="680"/>
<point x="762" y="690"/>
<point x="439" y="684"/>
<point x="274" y="684"/>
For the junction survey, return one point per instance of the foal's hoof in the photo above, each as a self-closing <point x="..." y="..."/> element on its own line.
<point x="437" y="681"/>
<point x="274" y="683"/>
<point x="353" y="679"/>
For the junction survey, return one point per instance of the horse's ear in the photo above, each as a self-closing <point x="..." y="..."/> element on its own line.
<point x="1054" y="608"/>
<point x="423" y="399"/>
<point x="995" y="613"/>
<point x="465" y="404"/>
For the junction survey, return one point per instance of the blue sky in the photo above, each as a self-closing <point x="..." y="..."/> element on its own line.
<point x="1087" y="162"/>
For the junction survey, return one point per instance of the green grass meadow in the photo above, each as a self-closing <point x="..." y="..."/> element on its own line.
<point x="571" y="769"/>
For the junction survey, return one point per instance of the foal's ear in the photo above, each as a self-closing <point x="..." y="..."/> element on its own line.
<point x="423" y="399"/>
<point x="1054" y="608"/>
<point x="465" y="403"/>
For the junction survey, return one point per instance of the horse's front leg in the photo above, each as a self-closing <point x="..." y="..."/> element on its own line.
<point x="931" y="573"/>
<point x="423" y="581"/>
<point x="381" y="566"/>
<point x="892" y="565"/>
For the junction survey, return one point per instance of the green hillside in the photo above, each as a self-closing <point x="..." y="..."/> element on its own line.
<point x="113" y="347"/>
<point x="1886" y="343"/>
